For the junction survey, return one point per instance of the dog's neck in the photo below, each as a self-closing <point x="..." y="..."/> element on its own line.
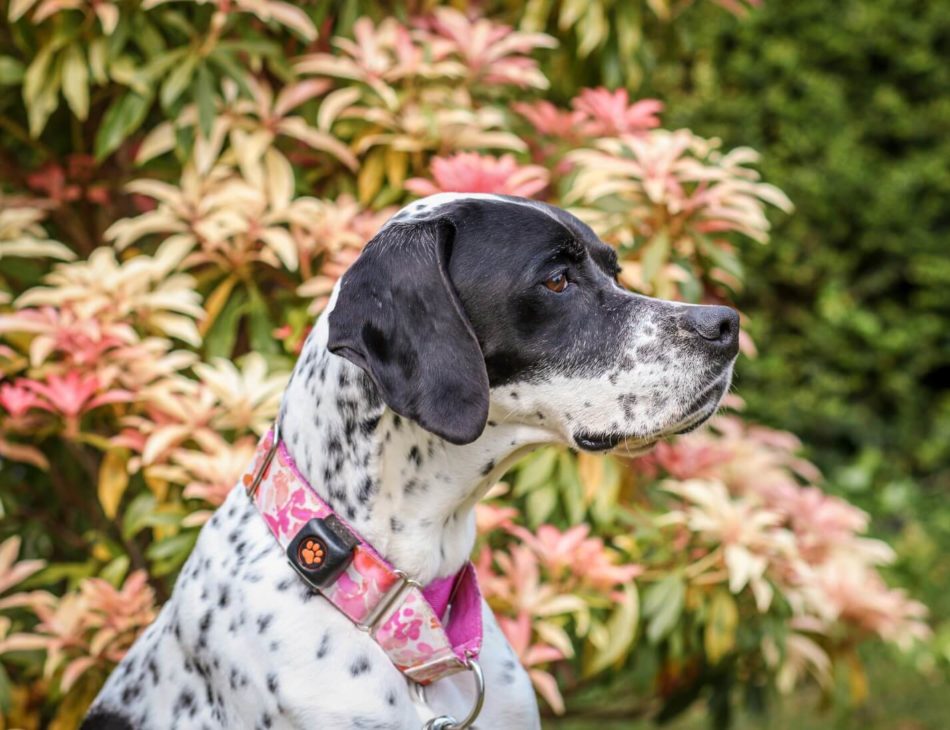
<point x="406" y="491"/>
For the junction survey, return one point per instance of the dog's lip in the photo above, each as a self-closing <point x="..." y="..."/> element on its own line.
<point x="614" y="441"/>
<point x="702" y="409"/>
<point x="597" y="442"/>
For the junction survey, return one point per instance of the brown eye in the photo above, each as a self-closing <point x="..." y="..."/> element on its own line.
<point x="557" y="283"/>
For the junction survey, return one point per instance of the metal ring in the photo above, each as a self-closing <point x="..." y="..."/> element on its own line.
<point x="446" y="722"/>
<point x="268" y="458"/>
<point x="475" y="669"/>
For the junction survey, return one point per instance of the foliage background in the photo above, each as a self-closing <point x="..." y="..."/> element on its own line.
<point x="847" y="307"/>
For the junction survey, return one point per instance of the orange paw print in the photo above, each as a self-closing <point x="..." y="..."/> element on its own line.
<point x="310" y="553"/>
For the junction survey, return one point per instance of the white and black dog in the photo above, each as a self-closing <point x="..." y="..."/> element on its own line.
<point x="472" y="329"/>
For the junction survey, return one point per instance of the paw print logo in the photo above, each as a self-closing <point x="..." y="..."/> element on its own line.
<point x="310" y="553"/>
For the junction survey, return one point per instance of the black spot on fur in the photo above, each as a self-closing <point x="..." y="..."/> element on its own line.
<point x="153" y="670"/>
<point x="360" y="666"/>
<point x="324" y="647"/>
<point x="185" y="703"/>
<point x="367" y="489"/>
<point x="131" y="693"/>
<point x="627" y="402"/>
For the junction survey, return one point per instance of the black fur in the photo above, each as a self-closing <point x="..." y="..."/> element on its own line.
<point x="103" y="719"/>
<point x="398" y="317"/>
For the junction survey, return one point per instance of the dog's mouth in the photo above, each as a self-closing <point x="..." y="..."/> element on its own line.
<point x="699" y="410"/>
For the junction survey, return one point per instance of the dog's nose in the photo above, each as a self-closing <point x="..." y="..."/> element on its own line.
<point x="718" y="326"/>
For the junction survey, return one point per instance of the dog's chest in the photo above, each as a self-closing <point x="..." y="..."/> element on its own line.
<point x="244" y="643"/>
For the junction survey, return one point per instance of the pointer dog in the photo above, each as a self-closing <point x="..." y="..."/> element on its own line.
<point x="472" y="329"/>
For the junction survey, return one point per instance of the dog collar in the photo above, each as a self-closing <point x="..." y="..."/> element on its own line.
<point x="428" y="632"/>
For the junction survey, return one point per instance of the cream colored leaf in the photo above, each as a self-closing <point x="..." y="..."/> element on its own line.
<point x="281" y="243"/>
<point x="278" y="180"/>
<point x="175" y="325"/>
<point x="108" y="15"/>
<point x="297" y="128"/>
<point x="159" y="141"/>
<point x="293" y="18"/>
<point x="334" y="103"/>
<point x="31" y="247"/>
<point x="18" y="8"/>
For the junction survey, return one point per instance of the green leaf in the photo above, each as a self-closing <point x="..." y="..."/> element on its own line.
<point x="220" y="339"/>
<point x="604" y="508"/>
<point x="174" y="20"/>
<point x="136" y="514"/>
<point x="540" y="504"/>
<point x="41" y="88"/>
<point x="622" y="628"/>
<point x="535" y="471"/>
<point x="73" y="572"/>
<point x="719" y="637"/>
<point x="172" y="547"/>
<point x="572" y="490"/>
<point x="203" y="91"/>
<point x="98" y="54"/>
<point x="116" y="570"/>
<point x="663" y="604"/>
<point x="260" y="324"/>
<point x="177" y="81"/>
<point x="231" y="68"/>
<point x="251" y="47"/>
<point x="148" y="37"/>
<point x="169" y="554"/>
<point x="5" y="691"/>
<point x="655" y="254"/>
<point x="123" y="117"/>
<point x="11" y="71"/>
<point x="76" y="81"/>
<point x="157" y="67"/>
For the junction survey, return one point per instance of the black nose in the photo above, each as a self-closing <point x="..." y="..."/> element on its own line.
<point x="718" y="326"/>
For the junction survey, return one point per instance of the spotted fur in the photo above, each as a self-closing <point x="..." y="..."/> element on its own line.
<point x="402" y="427"/>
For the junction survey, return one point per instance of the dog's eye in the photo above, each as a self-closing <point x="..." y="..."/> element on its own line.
<point x="557" y="283"/>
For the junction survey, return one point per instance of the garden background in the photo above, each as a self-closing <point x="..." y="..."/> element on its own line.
<point x="182" y="182"/>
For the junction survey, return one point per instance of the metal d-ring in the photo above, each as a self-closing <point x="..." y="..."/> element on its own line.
<point x="268" y="458"/>
<point x="447" y="722"/>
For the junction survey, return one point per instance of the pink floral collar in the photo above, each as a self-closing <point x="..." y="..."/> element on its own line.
<point x="427" y="632"/>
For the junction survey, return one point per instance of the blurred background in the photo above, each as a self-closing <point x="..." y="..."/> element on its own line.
<point x="181" y="183"/>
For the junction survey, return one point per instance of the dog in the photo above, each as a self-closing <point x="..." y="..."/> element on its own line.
<point x="472" y="329"/>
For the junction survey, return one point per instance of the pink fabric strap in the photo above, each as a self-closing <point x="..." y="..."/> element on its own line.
<point x="428" y="632"/>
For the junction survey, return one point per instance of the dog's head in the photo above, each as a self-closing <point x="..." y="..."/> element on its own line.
<point x="462" y="303"/>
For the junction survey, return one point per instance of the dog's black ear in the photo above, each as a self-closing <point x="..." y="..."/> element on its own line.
<point x="398" y="316"/>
